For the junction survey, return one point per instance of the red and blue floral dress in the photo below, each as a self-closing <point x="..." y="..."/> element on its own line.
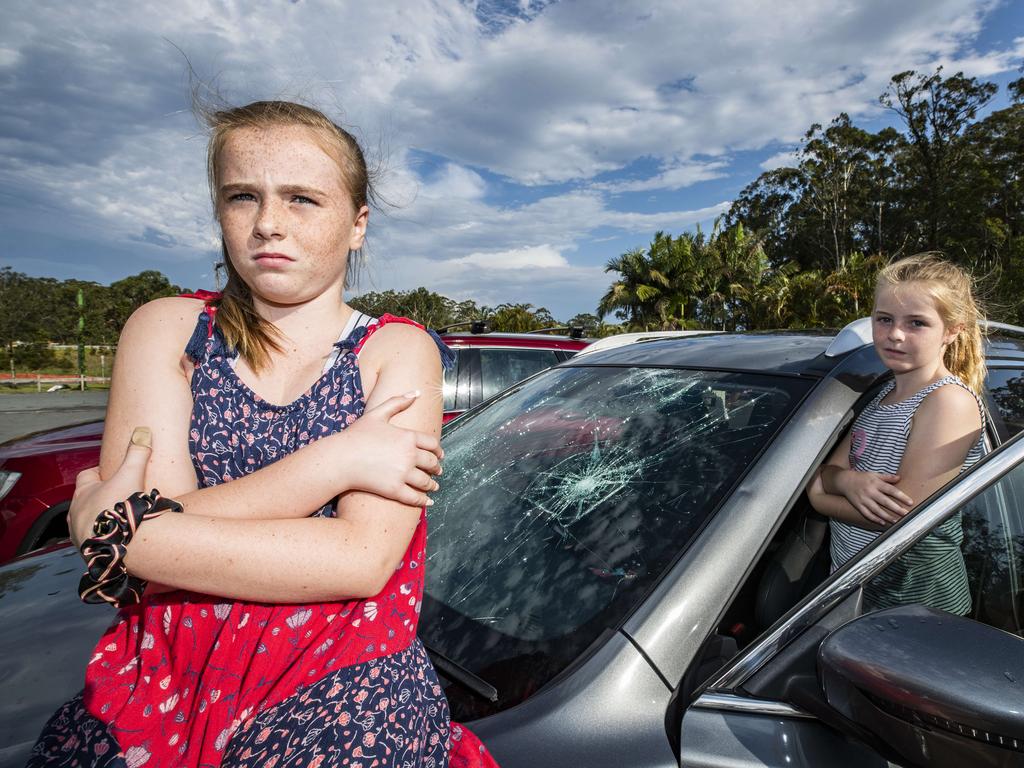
<point x="186" y="679"/>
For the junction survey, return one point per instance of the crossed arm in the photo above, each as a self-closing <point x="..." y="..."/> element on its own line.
<point x="946" y="425"/>
<point x="252" y="538"/>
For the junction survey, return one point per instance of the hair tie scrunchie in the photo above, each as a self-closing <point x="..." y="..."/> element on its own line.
<point x="106" y="579"/>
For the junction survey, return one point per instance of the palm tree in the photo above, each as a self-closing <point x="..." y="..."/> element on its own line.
<point x="635" y="293"/>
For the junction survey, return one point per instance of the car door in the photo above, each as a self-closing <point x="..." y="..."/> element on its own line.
<point x="766" y="707"/>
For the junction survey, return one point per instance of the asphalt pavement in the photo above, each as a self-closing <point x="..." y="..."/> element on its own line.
<point x="22" y="414"/>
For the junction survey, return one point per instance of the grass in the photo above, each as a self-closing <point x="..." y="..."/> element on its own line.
<point x="98" y="361"/>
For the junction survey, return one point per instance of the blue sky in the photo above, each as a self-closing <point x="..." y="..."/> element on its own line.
<point x="524" y="143"/>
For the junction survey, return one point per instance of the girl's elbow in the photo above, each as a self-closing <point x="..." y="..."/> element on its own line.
<point x="379" y="574"/>
<point x="368" y="581"/>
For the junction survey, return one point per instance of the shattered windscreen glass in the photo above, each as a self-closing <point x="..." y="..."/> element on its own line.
<point x="563" y="502"/>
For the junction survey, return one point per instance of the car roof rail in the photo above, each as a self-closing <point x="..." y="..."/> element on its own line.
<point x="573" y="331"/>
<point x="624" y="339"/>
<point x="475" y="326"/>
<point x="853" y="336"/>
<point x="1004" y="327"/>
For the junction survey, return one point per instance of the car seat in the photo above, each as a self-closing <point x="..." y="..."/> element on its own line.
<point x="799" y="564"/>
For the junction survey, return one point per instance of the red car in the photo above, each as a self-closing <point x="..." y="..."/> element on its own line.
<point x="37" y="472"/>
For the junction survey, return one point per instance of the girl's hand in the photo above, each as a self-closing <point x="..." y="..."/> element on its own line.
<point x="93" y="495"/>
<point x="392" y="462"/>
<point x="874" y="495"/>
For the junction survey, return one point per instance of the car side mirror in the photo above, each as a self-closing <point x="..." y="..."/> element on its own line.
<point x="932" y="688"/>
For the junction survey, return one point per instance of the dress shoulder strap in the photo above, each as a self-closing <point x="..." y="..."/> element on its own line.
<point x="359" y="336"/>
<point x="201" y="341"/>
<point x="952" y="379"/>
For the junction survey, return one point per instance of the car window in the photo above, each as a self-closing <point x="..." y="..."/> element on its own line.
<point x="971" y="564"/>
<point x="564" y="502"/>
<point x="1006" y="388"/>
<point x="451" y="384"/>
<point x="501" y="368"/>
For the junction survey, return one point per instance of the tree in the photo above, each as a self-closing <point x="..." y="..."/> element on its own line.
<point x="591" y="324"/>
<point x="520" y="318"/>
<point x="426" y="307"/>
<point x="631" y="296"/>
<point x="935" y="111"/>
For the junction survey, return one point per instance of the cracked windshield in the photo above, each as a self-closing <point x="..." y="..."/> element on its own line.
<point x="563" y="503"/>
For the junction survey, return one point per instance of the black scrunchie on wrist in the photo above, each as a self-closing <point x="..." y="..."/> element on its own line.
<point x="106" y="579"/>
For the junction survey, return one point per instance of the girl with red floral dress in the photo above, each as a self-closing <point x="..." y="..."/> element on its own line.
<point x="278" y="627"/>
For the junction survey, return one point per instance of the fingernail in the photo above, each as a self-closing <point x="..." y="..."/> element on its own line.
<point x="142" y="436"/>
<point x="430" y="502"/>
<point x="414" y="393"/>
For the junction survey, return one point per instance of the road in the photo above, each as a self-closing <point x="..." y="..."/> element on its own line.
<point x="21" y="414"/>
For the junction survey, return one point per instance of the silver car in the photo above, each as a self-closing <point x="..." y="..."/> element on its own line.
<point x="624" y="571"/>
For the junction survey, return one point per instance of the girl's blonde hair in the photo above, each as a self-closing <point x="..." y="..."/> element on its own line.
<point x="237" y="318"/>
<point x="953" y="291"/>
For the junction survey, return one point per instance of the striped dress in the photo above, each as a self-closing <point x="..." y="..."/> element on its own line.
<point x="932" y="572"/>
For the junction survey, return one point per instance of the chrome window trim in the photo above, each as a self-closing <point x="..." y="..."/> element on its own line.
<point x="729" y="702"/>
<point x="873" y="559"/>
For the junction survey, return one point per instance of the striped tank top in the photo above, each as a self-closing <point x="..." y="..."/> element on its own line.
<point x="932" y="572"/>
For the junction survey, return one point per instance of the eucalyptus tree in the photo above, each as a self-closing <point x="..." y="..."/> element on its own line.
<point x="936" y="111"/>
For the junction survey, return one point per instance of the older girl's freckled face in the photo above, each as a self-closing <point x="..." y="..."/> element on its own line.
<point x="285" y="213"/>
<point x="907" y="329"/>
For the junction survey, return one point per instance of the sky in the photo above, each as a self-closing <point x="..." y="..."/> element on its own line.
<point x="520" y="144"/>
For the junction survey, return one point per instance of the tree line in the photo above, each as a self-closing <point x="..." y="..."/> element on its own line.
<point x="799" y="247"/>
<point x="37" y="312"/>
<point x="801" y="244"/>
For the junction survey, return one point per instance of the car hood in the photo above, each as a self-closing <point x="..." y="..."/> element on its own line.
<point x="46" y="637"/>
<point x="54" y="440"/>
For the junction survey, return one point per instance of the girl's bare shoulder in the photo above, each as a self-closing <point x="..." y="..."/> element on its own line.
<point x="162" y="325"/>
<point x="400" y="341"/>
<point x="165" y="315"/>
<point x="951" y="403"/>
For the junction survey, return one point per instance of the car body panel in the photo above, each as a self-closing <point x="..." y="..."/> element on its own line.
<point x="564" y="725"/>
<point x="48" y="462"/>
<point x="39" y="596"/>
<point x="713" y="739"/>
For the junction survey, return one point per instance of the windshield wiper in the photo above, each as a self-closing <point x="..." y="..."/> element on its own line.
<point x="461" y="675"/>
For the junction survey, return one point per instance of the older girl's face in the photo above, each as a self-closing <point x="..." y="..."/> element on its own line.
<point x="285" y="213"/>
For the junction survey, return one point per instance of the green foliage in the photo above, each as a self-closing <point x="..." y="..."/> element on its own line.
<point x="426" y="307"/>
<point x="853" y="199"/>
<point x="33" y="356"/>
<point x="42" y="309"/>
<point x="519" y="318"/>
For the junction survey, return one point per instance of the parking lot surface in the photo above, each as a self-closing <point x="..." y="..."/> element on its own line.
<point x="22" y="414"/>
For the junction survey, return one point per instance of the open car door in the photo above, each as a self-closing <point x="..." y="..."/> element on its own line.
<point x="840" y="681"/>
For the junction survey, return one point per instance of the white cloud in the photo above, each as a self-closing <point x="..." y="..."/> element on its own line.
<point x="585" y="89"/>
<point x="787" y="159"/>
<point x="95" y="136"/>
<point x="530" y="257"/>
<point x="674" y="177"/>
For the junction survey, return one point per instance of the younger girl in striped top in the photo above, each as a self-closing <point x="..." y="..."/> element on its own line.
<point x="921" y="430"/>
